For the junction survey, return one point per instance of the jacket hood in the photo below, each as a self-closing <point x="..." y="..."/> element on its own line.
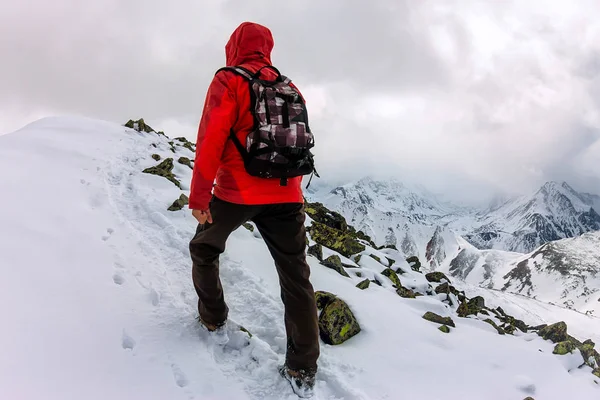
<point x="249" y="42"/>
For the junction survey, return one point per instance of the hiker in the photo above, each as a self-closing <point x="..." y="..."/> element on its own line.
<point x="256" y="180"/>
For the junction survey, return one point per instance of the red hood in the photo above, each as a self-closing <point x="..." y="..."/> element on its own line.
<point x="249" y="42"/>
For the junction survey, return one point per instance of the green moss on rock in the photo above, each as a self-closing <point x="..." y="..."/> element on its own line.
<point x="446" y="288"/>
<point x="406" y="293"/>
<point x="436" y="277"/>
<point x="335" y="239"/>
<point x="364" y="284"/>
<point x="185" y="161"/>
<point x="334" y="262"/>
<point x="415" y="263"/>
<point x="376" y="258"/>
<point x="472" y="307"/>
<point x="324" y="298"/>
<point x="248" y="226"/>
<point x="178" y="204"/>
<point x="563" y="348"/>
<point x="556" y="332"/>
<point x="391" y="261"/>
<point x="319" y="213"/>
<point x="438" y="319"/>
<point x="337" y="323"/>
<point x="164" y="169"/>
<point x="444" y="328"/>
<point x="392" y="276"/>
<point x="596" y="372"/>
<point x="156" y="157"/>
<point x="139" y="125"/>
<point x="492" y="323"/>
<point x="316" y="250"/>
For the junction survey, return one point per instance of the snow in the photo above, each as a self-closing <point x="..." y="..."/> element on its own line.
<point x="97" y="300"/>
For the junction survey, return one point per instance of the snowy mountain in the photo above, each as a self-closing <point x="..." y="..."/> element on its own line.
<point x="555" y="211"/>
<point x="97" y="300"/>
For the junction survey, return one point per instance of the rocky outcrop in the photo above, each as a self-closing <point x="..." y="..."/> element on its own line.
<point x="335" y="263"/>
<point x="342" y="242"/>
<point x="139" y="125"/>
<point x="415" y="263"/>
<point x="392" y="276"/>
<point x="164" y="169"/>
<point x="438" y="319"/>
<point x="556" y="332"/>
<point x="316" y="251"/>
<point x="185" y="161"/>
<point x="178" y="204"/>
<point x="363" y="284"/>
<point x="436" y="277"/>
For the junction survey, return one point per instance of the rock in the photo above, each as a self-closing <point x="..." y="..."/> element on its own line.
<point x="589" y="354"/>
<point x="596" y="372"/>
<point x="406" y="293"/>
<point x="324" y="298"/>
<point x="335" y="239"/>
<point x="337" y="323"/>
<point x="556" y="332"/>
<point x="156" y="157"/>
<point x="393" y="277"/>
<point x="433" y="317"/>
<point x="538" y="327"/>
<point x="436" y="277"/>
<point x="415" y="263"/>
<point x="522" y="326"/>
<point x="319" y="213"/>
<point x="178" y="204"/>
<point x="359" y="274"/>
<point x="484" y="312"/>
<point x="492" y="323"/>
<point x="164" y="169"/>
<point x="375" y="281"/>
<point x="446" y="288"/>
<point x="501" y="311"/>
<point x="186" y="143"/>
<point x="139" y="125"/>
<point x="364" y="284"/>
<point x="478" y="302"/>
<point x="472" y="307"/>
<point x="444" y="328"/>
<point x="357" y="258"/>
<point x="185" y="161"/>
<point x="248" y="226"/>
<point x="316" y="250"/>
<point x="334" y="262"/>
<point x="528" y="398"/>
<point x="388" y="246"/>
<point x="391" y="261"/>
<point x="374" y="257"/>
<point x="563" y="348"/>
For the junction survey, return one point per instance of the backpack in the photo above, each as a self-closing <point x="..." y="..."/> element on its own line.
<point x="278" y="146"/>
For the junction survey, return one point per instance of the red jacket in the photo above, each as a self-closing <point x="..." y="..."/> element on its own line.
<point x="227" y="106"/>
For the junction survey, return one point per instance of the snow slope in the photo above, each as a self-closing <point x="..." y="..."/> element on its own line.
<point x="97" y="301"/>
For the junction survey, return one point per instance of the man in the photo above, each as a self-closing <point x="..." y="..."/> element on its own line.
<point x="276" y="207"/>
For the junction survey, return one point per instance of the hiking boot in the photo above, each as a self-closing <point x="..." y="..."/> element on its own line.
<point x="216" y="333"/>
<point x="302" y="381"/>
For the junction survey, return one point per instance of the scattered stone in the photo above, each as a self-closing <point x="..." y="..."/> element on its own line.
<point x="323" y="298"/>
<point x="433" y="317"/>
<point x="334" y="239"/>
<point x="139" y="125"/>
<point x="406" y="293"/>
<point x="472" y="307"/>
<point x="186" y="143"/>
<point x="357" y="258"/>
<point x="556" y="332"/>
<point x="164" y="169"/>
<point x="446" y="288"/>
<point x="391" y="261"/>
<point x="319" y="213"/>
<point x="444" y="328"/>
<point x="492" y="323"/>
<point x="185" y="161"/>
<point x="393" y="277"/>
<point x="364" y="284"/>
<point x="375" y="281"/>
<point x="436" y="277"/>
<point x="415" y="263"/>
<point x="374" y="257"/>
<point x="478" y="302"/>
<point x="563" y="348"/>
<point x="590" y="356"/>
<point x="316" y="250"/>
<point x="337" y="324"/>
<point x="248" y="226"/>
<point x="334" y="262"/>
<point x="178" y="204"/>
<point x="359" y="274"/>
<point x="156" y="157"/>
<point x="388" y="246"/>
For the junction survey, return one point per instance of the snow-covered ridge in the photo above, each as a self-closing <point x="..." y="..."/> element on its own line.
<point x="98" y="303"/>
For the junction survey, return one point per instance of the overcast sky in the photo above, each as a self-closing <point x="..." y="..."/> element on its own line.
<point x="464" y="97"/>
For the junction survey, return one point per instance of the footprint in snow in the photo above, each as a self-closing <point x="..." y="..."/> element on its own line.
<point x="180" y="379"/>
<point x="127" y="341"/>
<point x="110" y="231"/>
<point x="118" y="279"/>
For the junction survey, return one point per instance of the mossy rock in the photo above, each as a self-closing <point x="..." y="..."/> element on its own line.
<point x="335" y="263"/>
<point x="446" y="288"/>
<point x="178" y="204"/>
<point x="472" y="307"/>
<point x="406" y="293"/>
<point x="556" y="332"/>
<point x="323" y="298"/>
<point x="186" y="143"/>
<point x="596" y="372"/>
<point x="510" y="329"/>
<point x="492" y="323"/>
<point x="248" y="226"/>
<point x="164" y="169"/>
<point x="319" y="213"/>
<point x="528" y="398"/>
<point x="337" y="323"/>
<point x="590" y="356"/>
<point x="391" y="261"/>
<point x="563" y="348"/>
<point x="415" y="263"/>
<point x="139" y="125"/>
<point x="436" y="277"/>
<point x="335" y="239"/>
<point x="375" y="281"/>
<point x="316" y="250"/>
<point x="185" y="161"/>
<point x="357" y="258"/>
<point x="156" y="157"/>
<point x="359" y="274"/>
<point x="374" y="257"/>
<point x="362" y="236"/>
<point x="444" y="328"/>
<point x="392" y="276"/>
<point x="438" y="319"/>
<point x="388" y="246"/>
<point x="364" y="284"/>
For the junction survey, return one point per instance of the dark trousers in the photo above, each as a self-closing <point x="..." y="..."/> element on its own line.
<point x="282" y="228"/>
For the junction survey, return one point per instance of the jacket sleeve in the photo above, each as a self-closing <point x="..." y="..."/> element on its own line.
<point x="218" y="117"/>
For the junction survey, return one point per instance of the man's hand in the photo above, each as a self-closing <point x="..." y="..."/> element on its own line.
<point x="202" y="216"/>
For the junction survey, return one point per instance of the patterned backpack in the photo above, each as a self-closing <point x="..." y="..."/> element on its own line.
<point x="279" y="144"/>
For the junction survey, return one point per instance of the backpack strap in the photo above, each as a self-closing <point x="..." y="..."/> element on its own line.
<point x="238" y="70"/>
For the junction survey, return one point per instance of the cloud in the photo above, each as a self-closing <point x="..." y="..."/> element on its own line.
<point x="462" y="96"/>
